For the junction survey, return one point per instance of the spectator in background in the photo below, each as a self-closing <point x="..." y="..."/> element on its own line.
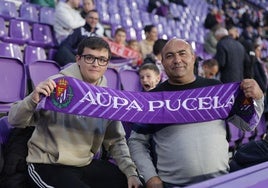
<point x="134" y="45"/>
<point x="151" y="35"/>
<point x="231" y="56"/>
<point x="210" y="41"/>
<point x="67" y="49"/>
<point x="156" y="58"/>
<point x="67" y="18"/>
<point x="120" y="36"/>
<point x="210" y="68"/>
<point x="159" y="7"/>
<point x="87" y="6"/>
<point x="149" y="76"/>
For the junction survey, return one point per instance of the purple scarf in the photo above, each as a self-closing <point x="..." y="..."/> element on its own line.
<point x="74" y="96"/>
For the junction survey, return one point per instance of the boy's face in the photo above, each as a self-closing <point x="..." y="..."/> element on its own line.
<point x="210" y="72"/>
<point x="149" y="79"/>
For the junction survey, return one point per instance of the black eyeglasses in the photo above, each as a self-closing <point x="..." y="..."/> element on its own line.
<point x="90" y="59"/>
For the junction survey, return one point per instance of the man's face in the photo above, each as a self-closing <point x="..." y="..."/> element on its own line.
<point x="92" y="72"/>
<point x="92" y="19"/>
<point x="178" y="61"/>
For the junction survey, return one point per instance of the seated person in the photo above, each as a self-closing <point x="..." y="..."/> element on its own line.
<point x="67" y="49"/>
<point x="149" y="76"/>
<point x="87" y="6"/>
<point x="134" y="45"/>
<point x="67" y="18"/>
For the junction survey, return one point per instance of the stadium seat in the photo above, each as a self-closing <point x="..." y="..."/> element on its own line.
<point x="29" y="12"/>
<point x="112" y="77"/>
<point x="11" y="50"/>
<point x="8" y="10"/>
<point x="19" y="32"/>
<point x="5" y="128"/>
<point x="46" y="15"/>
<point x="34" y="53"/>
<point x="13" y="82"/>
<point x="130" y="80"/>
<point x="3" y="28"/>
<point x="41" y="70"/>
<point x="42" y="35"/>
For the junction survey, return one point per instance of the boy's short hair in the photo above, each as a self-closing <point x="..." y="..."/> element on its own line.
<point x="150" y="66"/>
<point x="94" y="43"/>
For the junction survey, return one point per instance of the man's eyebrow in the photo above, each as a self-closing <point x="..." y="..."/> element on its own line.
<point x="180" y="51"/>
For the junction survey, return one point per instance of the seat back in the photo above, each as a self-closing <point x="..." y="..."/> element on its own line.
<point x="11" y="50"/>
<point x="19" y="32"/>
<point x="34" y="53"/>
<point x="12" y="82"/>
<point x="46" y="15"/>
<point x="5" y="128"/>
<point x="8" y="10"/>
<point x="130" y="80"/>
<point x="29" y="12"/>
<point x="112" y="77"/>
<point x="42" y="36"/>
<point x="3" y="28"/>
<point x="41" y="70"/>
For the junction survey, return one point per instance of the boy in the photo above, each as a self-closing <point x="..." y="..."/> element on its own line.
<point x="149" y="76"/>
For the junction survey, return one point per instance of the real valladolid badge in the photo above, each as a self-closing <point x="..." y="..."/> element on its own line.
<point x="63" y="95"/>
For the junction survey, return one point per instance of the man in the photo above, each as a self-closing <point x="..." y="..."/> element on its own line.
<point x="62" y="147"/>
<point x="67" y="49"/>
<point x="89" y="5"/>
<point x="231" y="56"/>
<point x="67" y="18"/>
<point x="180" y="155"/>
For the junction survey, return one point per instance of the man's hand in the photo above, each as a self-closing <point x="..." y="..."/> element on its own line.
<point x="134" y="182"/>
<point x="43" y="88"/>
<point x="251" y="89"/>
<point x="154" y="182"/>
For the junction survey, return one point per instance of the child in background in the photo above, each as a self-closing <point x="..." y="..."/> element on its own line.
<point x="210" y="68"/>
<point x="134" y="45"/>
<point x="149" y="76"/>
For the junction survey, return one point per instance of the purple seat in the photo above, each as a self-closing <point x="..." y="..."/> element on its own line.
<point x="19" y="32"/>
<point x="41" y="70"/>
<point x="13" y="82"/>
<point x="112" y="78"/>
<point x="261" y="128"/>
<point x="235" y="136"/>
<point x="254" y="177"/>
<point x="130" y="80"/>
<point x="8" y="10"/>
<point x="5" y="128"/>
<point x="42" y="36"/>
<point x="52" y="53"/>
<point x="11" y="50"/>
<point x="29" y="12"/>
<point x="3" y="28"/>
<point x="46" y="15"/>
<point x="34" y="53"/>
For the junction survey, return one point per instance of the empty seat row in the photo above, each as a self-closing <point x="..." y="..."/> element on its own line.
<point x="27" y="11"/>
<point x="21" y="32"/>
